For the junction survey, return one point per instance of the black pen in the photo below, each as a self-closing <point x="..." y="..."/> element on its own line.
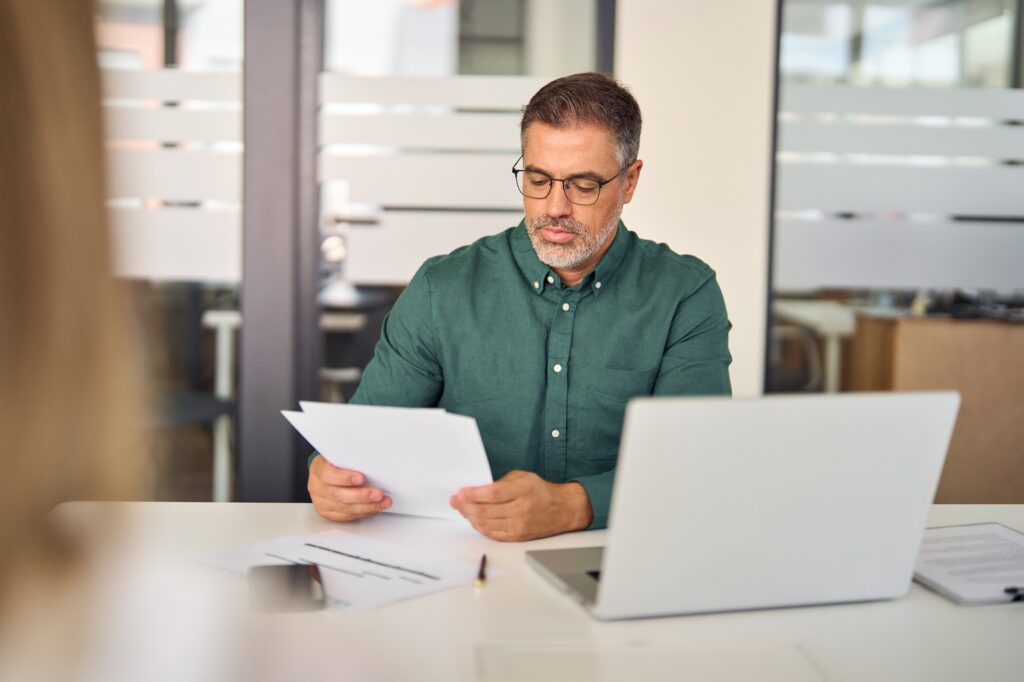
<point x="481" y="575"/>
<point x="1016" y="592"/>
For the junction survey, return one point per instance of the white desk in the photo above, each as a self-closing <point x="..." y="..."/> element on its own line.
<point x="920" y="637"/>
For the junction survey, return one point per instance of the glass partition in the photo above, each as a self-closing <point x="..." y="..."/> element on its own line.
<point x="899" y="220"/>
<point x="899" y="43"/>
<point x="171" y="74"/>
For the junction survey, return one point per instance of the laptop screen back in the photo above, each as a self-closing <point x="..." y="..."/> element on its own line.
<point x="723" y="504"/>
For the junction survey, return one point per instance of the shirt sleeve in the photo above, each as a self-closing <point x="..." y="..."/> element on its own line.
<point x="696" y="359"/>
<point x="695" y="362"/>
<point x="599" y="490"/>
<point x="405" y="371"/>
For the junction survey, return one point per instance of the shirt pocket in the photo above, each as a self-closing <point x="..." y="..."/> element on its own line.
<point x="602" y="408"/>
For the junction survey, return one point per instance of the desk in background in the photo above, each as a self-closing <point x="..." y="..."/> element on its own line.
<point x="984" y="361"/>
<point x="920" y="637"/>
<point x="831" y="320"/>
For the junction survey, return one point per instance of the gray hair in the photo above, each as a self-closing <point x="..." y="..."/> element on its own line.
<point x="589" y="98"/>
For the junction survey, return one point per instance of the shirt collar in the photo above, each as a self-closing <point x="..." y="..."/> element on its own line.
<point x="537" y="273"/>
<point x="612" y="259"/>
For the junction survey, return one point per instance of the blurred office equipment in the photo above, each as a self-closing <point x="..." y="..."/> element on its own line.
<point x="794" y="357"/>
<point x="828" y="320"/>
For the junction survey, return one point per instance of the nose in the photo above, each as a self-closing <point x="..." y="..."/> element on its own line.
<point x="556" y="204"/>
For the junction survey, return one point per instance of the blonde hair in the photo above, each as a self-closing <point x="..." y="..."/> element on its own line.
<point x="69" y="389"/>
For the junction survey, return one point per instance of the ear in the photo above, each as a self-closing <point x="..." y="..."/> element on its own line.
<point x="632" y="178"/>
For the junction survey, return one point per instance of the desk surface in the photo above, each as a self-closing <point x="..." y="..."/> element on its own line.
<point x="919" y="637"/>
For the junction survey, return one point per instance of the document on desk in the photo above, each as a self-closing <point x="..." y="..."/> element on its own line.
<point x="357" y="572"/>
<point x="972" y="564"/>
<point x="418" y="456"/>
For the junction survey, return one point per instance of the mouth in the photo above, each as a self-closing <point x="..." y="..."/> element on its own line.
<point x="557" y="236"/>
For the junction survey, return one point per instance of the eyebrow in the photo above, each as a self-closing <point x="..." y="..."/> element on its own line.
<point x="590" y="175"/>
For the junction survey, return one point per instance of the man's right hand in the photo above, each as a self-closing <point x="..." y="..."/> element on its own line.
<point x="340" y="494"/>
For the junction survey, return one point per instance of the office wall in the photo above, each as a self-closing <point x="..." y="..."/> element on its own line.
<point x="703" y="73"/>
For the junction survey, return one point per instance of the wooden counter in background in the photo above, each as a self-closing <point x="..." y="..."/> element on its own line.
<point x="984" y="360"/>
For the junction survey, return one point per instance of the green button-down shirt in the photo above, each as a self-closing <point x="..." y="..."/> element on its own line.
<point x="489" y="331"/>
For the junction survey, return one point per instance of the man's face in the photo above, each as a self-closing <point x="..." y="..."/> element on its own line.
<point x="568" y="236"/>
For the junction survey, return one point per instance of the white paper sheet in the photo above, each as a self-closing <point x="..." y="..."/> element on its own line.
<point x="357" y="572"/>
<point x="972" y="564"/>
<point x="418" y="456"/>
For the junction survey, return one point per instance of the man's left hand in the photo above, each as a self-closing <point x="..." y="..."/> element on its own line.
<point x="523" y="506"/>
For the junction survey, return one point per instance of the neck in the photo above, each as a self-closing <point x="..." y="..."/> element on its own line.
<point x="572" y="276"/>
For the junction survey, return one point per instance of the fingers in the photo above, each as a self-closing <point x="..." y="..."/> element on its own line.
<point x="332" y="475"/>
<point x="334" y="511"/>
<point x="502" y="530"/>
<point x="343" y="516"/>
<point x="484" y="511"/>
<point x="339" y="495"/>
<point x="343" y="495"/>
<point x="512" y="509"/>
<point x="494" y="493"/>
<point x="509" y="487"/>
<point x="354" y="495"/>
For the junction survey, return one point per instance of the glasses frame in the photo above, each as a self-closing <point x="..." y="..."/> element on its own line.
<point x="552" y="181"/>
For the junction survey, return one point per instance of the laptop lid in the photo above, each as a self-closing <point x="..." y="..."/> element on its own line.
<point x="725" y="504"/>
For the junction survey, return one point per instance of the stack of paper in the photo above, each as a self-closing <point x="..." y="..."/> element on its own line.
<point x="418" y="456"/>
<point x="973" y="563"/>
<point x="357" y="572"/>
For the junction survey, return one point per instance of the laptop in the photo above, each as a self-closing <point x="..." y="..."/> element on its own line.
<point x="726" y="504"/>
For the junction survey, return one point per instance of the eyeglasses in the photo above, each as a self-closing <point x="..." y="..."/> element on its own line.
<point x="580" y="190"/>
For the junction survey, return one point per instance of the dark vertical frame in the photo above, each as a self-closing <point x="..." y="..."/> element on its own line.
<point x="310" y="339"/>
<point x="606" y="36"/>
<point x="171" y="23"/>
<point x="772" y="173"/>
<point x="1017" y="49"/>
<point x="279" y="259"/>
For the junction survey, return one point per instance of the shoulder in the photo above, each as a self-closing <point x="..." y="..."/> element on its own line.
<point x="466" y="260"/>
<point x="684" y="272"/>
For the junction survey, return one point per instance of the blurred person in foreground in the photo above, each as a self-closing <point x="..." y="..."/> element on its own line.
<point x="72" y="607"/>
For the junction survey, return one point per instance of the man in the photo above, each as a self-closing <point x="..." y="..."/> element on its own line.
<point x="545" y="331"/>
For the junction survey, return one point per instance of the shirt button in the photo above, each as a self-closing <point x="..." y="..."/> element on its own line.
<point x="536" y="285"/>
<point x="597" y="285"/>
<point x="565" y="307"/>
<point x="551" y="280"/>
<point x="555" y="434"/>
<point x="557" y="368"/>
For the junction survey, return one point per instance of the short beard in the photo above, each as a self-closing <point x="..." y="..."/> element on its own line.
<point x="575" y="252"/>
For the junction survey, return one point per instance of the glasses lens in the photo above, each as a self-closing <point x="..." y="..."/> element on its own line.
<point x="582" y="190"/>
<point x="533" y="185"/>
